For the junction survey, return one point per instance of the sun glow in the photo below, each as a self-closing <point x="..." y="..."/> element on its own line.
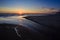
<point x="20" y="12"/>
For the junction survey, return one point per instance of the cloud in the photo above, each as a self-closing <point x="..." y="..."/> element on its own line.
<point x="48" y="10"/>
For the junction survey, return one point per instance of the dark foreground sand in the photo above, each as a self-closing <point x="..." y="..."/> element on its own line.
<point x="51" y="29"/>
<point x="51" y="24"/>
<point x="8" y="33"/>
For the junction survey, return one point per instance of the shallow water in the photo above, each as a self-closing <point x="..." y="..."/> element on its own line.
<point x="19" y="20"/>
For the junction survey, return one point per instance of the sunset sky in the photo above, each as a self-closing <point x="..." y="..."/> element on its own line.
<point x="29" y="6"/>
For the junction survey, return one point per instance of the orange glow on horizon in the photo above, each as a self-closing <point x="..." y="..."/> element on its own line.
<point x="22" y="11"/>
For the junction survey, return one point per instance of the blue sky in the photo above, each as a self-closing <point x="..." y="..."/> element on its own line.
<point x="30" y="4"/>
<point x="27" y="3"/>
